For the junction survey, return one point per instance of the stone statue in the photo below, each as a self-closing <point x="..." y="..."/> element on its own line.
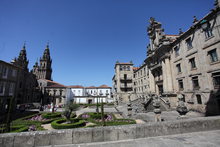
<point x="181" y="108"/>
<point x="157" y="111"/>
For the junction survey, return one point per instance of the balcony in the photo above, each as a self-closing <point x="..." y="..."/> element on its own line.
<point x="126" y="86"/>
<point x="126" y="79"/>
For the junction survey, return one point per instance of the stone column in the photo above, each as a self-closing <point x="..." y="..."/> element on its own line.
<point x="164" y="72"/>
<point x="169" y="75"/>
<point x="152" y="82"/>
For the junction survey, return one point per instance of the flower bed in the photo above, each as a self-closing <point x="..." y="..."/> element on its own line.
<point x="109" y="118"/>
<point x="75" y="123"/>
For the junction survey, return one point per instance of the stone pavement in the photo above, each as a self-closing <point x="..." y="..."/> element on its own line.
<point x="196" y="139"/>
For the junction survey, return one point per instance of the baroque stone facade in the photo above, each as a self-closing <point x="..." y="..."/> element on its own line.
<point x="187" y="64"/>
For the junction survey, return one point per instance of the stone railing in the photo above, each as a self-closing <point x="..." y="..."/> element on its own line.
<point x="113" y="133"/>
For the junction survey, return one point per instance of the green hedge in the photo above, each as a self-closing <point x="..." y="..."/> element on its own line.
<point x="19" y="129"/>
<point x="51" y="115"/>
<point x="57" y="124"/>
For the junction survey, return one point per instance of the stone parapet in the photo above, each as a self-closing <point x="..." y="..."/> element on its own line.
<point x="111" y="133"/>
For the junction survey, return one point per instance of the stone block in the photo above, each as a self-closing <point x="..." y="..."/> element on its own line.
<point x="110" y="133"/>
<point x="25" y="139"/>
<point x="42" y="138"/>
<point x="97" y="134"/>
<point x="82" y="135"/>
<point x="170" y="128"/>
<point x="6" y="140"/>
<point x="150" y="129"/>
<point x="61" y="137"/>
<point x="140" y="133"/>
<point x="126" y="132"/>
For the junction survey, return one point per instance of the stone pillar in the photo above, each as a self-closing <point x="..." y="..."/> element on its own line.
<point x="152" y="82"/>
<point x="129" y="108"/>
<point x="169" y="75"/>
<point x="164" y="72"/>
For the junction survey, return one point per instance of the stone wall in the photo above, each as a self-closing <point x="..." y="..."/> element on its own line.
<point x="100" y="134"/>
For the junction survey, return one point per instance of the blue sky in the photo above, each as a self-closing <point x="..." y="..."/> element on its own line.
<point x="87" y="37"/>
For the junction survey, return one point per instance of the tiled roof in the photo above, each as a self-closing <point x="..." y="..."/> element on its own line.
<point x="124" y="63"/>
<point x="56" y="86"/>
<point x="91" y="87"/>
<point x="104" y="86"/>
<point x="135" y="68"/>
<point x="75" y="86"/>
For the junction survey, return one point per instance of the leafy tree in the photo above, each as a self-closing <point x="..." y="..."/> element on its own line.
<point x="69" y="108"/>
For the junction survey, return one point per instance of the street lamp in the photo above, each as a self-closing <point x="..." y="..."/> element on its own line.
<point x="53" y="100"/>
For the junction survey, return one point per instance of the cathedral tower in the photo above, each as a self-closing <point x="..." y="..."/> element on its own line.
<point x="44" y="69"/>
<point x="22" y="61"/>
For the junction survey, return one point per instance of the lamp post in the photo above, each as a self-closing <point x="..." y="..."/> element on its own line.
<point x="97" y="104"/>
<point x="53" y="100"/>
<point x="60" y="100"/>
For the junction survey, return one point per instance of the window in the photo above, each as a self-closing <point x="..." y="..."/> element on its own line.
<point x="189" y="43"/>
<point x="2" y="88"/>
<point x="4" y="72"/>
<point x="11" y="88"/>
<point x="180" y="83"/>
<point x="193" y="63"/>
<point x="178" y="66"/>
<point x="216" y="80"/>
<point x="213" y="55"/>
<point x="199" y="99"/>
<point x="128" y="68"/>
<point x="207" y="30"/>
<point x="121" y="67"/>
<point x="195" y="82"/>
<point x="208" y="33"/>
<point x="14" y="72"/>
<point x="176" y="50"/>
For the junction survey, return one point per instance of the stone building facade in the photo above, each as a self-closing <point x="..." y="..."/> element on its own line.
<point x="187" y="64"/>
<point x="123" y="81"/>
<point x="8" y="84"/>
<point x="27" y="82"/>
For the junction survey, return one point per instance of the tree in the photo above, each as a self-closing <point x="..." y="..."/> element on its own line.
<point x="69" y="108"/>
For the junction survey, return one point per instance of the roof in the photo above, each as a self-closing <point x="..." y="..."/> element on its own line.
<point x="9" y="64"/>
<point x="54" y="84"/>
<point x="75" y="86"/>
<point x="102" y="86"/>
<point x="91" y="87"/>
<point x="135" y="68"/>
<point x="172" y="35"/>
<point x="125" y="63"/>
<point x="57" y="86"/>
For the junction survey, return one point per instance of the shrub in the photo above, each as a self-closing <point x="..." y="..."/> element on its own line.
<point x="51" y="115"/>
<point x="75" y="123"/>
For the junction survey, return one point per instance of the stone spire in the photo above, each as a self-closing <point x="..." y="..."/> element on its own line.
<point x="45" y="69"/>
<point x="22" y="59"/>
<point x="180" y="31"/>
<point x="195" y="20"/>
<point x="156" y="33"/>
<point x="46" y="55"/>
